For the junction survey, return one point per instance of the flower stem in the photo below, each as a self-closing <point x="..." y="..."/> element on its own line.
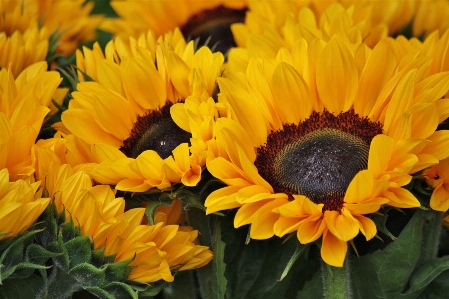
<point x="336" y="281"/>
<point x="431" y="237"/>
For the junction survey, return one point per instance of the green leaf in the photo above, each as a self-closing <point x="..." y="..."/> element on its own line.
<point x="11" y="288"/>
<point x="425" y="275"/>
<point x="199" y="221"/>
<point x="253" y="270"/>
<point x="384" y="273"/>
<point x="438" y="288"/>
<point x="88" y="275"/>
<point x="79" y="251"/>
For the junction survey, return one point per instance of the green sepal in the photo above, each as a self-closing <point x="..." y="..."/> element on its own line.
<point x="79" y="251"/>
<point x="53" y="44"/>
<point x="88" y="275"/>
<point x="380" y="219"/>
<point x="29" y="288"/>
<point x="152" y="207"/>
<point x="299" y="250"/>
<point x="121" y="290"/>
<point x="69" y="230"/>
<point x="147" y="290"/>
<point x="13" y="256"/>
<point x="99" y="292"/>
<point x="99" y="258"/>
<point x="118" y="271"/>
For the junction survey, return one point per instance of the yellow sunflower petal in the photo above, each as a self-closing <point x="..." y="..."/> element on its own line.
<point x="400" y="99"/>
<point x="342" y="225"/>
<point x="367" y="226"/>
<point x="222" y="199"/>
<point x="333" y="250"/>
<point x="262" y="226"/>
<point x="380" y="153"/>
<point x="310" y="229"/>
<point x="439" y="200"/>
<point x="337" y="77"/>
<point x="293" y="97"/>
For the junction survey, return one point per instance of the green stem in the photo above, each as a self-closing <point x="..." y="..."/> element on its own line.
<point x="336" y="281"/>
<point x="431" y="234"/>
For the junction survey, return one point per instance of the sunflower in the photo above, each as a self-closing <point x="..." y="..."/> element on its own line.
<point x="263" y="34"/>
<point x="323" y="136"/>
<point x="207" y="20"/>
<point x="430" y="16"/>
<point x="73" y="27"/>
<point x="125" y="114"/>
<point x="22" y="42"/>
<point x="155" y="250"/>
<point x="23" y="107"/>
<point x="437" y="177"/>
<point x="20" y="205"/>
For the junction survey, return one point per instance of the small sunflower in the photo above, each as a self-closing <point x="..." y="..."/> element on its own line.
<point x="21" y="203"/>
<point x="437" y="177"/>
<point x="155" y="250"/>
<point x="321" y="141"/>
<point x="125" y="114"/>
<point x="23" y="107"/>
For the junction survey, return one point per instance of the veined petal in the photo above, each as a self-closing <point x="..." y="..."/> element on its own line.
<point x="337" y="77"/>
<point x="342" y="224"/>
<point x="333" y="250"/>
<point x="380" y="153"/>
<point x="293" y="97"/>
<point x="222" y="199"/>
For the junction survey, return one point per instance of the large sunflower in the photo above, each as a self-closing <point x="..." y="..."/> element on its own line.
<point x="125" y="113"/>
<point x="324" y="135"/>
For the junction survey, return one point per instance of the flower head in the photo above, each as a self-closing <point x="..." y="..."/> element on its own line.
<point x="126" y="113"/>
<point x="323" y="136"/>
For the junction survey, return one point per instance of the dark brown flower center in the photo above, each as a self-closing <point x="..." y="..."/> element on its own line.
<point x="319" y="157"/>
<point x="213" y="26"/>
<point x="155" y="131"/>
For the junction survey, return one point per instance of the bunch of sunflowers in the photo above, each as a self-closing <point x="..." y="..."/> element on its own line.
<point x="234" y="149"/>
